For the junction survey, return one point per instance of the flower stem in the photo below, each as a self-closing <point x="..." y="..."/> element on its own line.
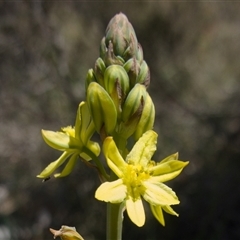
<point x="114" y="218"/>
<point x="97" y="161"/>
<point x="114" y="221"/>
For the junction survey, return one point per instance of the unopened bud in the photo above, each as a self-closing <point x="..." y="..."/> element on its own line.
<point x="99" y="70"/>
<point x="102" y="108"/>
<point x="116" y="83"/>
<point x="144" y="75"/>
<point x="66" y="233"/>
<point x="135" y="98"/>
<point x="122" y="35"/>
<point x="109" y="56"/>
<point x="132" y="110"/>
<point x="139" y="54"/>
<point x="132" y="68"/>
<point x="89" y="78"/>
<point x="147" y="119"/>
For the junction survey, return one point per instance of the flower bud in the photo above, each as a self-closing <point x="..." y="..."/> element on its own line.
<point x="134" y="100"/>
<point x="144" y="75"/>
<point x="66" y="233"/>
<point x="132" y="110"/>
<point x="139" y="54"/>
<point x="102" y="108"/>
<point x="132" y="68"/>
<point x="146" y="121"/>
<point x="89" y="78"/>
<point x="109" y="56"/>
<point x="99" y="70"/>
<point x="122" y="35"/>
<point x="116" y="83"/>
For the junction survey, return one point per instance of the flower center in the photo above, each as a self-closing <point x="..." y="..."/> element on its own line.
<point x="69" y="130"/>
<point x="134" y="175"/>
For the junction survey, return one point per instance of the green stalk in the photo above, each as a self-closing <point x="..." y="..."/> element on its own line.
<point x="115" y="210"/>
<point x="97" y="161"/>
<point x="114" y="221"/>
<point x="114" y="218"/>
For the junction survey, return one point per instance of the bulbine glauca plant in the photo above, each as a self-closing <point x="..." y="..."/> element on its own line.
<point x="118" y="108"/>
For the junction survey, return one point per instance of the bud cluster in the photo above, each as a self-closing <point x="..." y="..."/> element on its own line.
<point x="117" y="86"/>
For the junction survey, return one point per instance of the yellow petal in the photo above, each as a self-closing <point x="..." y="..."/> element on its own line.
<point x="54" y="165"/>
<point x="84" y="125"/>
<point x="157" y="193"/>
<point x="114" y="158"/>
<point x="135" y="211"/>
<point x="169" y="210"/>
<point x="60" y="141"/>
<point x="170" y="157"/>
<point x="143" y="150"/>
<point x="158" y="214"/>
<point x="114" y="192"/>
<point x="69" y="167"/>
<point x="94" y="147"/>
<point x="168" y="170"/>
<point x="78" y="121"/>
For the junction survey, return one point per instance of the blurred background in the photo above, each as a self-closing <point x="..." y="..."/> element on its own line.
<point x="192" y="49"/>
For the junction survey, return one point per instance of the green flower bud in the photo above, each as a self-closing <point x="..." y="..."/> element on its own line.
<point x="134" y="101"/>
<point x="132" y="68"/>
<point x="109" y="56"/>
<point x="139" y="55"/>
<point x="127" y="129"/>
<point x="144" y="75"/>
<point x="89" y="78"/>
<point x="116" y="83"/>
<point x="132" y="110"/>
<point x="102" y="108"/>
<point x="146" y="121"/>
<point x="122" y="35"/>
<point x="99" y="70"/>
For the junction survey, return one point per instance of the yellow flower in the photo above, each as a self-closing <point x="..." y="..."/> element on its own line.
<point x="71" y="140"/>
<point x="140" y="177"/>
